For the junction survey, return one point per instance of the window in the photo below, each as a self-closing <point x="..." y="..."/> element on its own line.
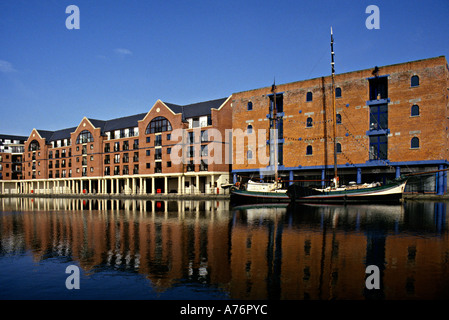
<point x="378" y="147"/>
<point x="204" y="136"/>
<point x="337" y="92"/>
<point x="338" y="117"/>
<point x="309" y="96"/>
<point x="158" y="124"/>
<point x="157" y="154"/>
<point x="415" y="111"/>
<point x="117" y="146"/>
<point x="414" y="143"/>
<point x="249" y="155"/>
<point x="117" y="158"/>
<point x="125" y="158"/>
<point x="191" y="138"/>
<point x="309" y="122"/>
<point x="148" y="139"/>
<point x="250" y="106"/>
<point x="125" y="145"/>
<point x="309" y="150"/>
<point x="107" y="148"/>
<point x="148" y="152"/>
<point x="378" y="88"/>
<point x="84" y="137"/>
<point x="168" y="164"/>
<point x="414" y="81"/>
<point x="34" y="145"/>
<point x="158" y="141"/>
<point x="249" y="129"/>
<point x="168" y="150"/>
<point x="379" y="117"/>
<point x="338" y="147"/>
<point x="204" y="151"/>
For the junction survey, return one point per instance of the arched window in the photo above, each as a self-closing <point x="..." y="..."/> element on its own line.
<point x="158" y="124"/>
<point x="309" y="122"/>
<point x="250" y="106"/>
<point x="414" y="82"/>
<point x="338" y="117"/>
<point x="338" y="147"/>
<point x="309" y="150"/>
<point x="34" y="145"/>
<point x="84" y="137"/>
<point x="338" y="93"/>
<point x="309" y="96"/>
<point x="249" y="155"/>
<point x="415" y="111"/>
<point x="414" y="144"/>
<point x="249" y="129"/>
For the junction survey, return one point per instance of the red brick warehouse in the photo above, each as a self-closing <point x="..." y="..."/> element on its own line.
<point x="390" y="120"/>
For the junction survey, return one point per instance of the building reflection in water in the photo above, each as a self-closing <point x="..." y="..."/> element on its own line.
<point x="270" y="252"/>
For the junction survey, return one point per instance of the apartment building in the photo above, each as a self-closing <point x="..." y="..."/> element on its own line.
<point x="11" y="149"/>
<point x="132" y="154"/>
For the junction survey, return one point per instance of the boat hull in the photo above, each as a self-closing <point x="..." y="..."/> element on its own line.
<point x="244" y="196"/>
<point x="388" y="193"/>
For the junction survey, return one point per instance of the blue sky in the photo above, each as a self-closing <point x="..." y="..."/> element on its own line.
<point x="128" y="54"/>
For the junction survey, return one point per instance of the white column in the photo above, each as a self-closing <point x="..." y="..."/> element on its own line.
<point x="197" y="187"/>
<point x="165" y="184"/>
<point x="212" y="184"/>
<point x="153" y="189"/>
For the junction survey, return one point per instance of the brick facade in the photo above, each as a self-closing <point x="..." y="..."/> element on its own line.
<point x="391" y="120"/>
<point x="356" y="108"/>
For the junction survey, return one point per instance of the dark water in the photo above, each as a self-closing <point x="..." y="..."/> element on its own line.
<point x="127" y="249"/>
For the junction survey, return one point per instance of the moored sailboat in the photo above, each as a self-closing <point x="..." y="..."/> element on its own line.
<point x="260" y="192"/>
<point x="263" y="192"/>
<point x="373" y="192"/>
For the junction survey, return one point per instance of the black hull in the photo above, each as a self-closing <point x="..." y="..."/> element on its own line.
<point x="247" y="197"/>
<point x="390" y="193"/>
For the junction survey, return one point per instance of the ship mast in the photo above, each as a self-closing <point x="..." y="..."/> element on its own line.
<point x="273" y="89"/>
<point x="334" y="113"/>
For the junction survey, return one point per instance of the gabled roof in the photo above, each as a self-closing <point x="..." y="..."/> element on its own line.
<point x="61" y="134"/>
<point x="124" y="122"/>
<point x="45" y="134"/>
<point x="196" y="109"/>
<point x="187" y="111"/>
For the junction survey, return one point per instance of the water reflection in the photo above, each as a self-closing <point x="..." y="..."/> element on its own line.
<point x="248" y="252"/>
